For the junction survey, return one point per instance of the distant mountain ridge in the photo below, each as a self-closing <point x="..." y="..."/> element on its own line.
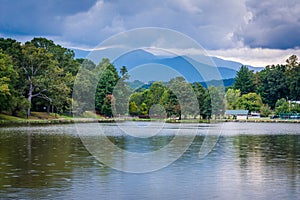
<point x="233" y="64"/>
<point x="227" y="69"/>
<point x="133" y="59"/>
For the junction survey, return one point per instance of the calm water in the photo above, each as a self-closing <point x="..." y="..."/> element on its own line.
<point x="250" y="161"/>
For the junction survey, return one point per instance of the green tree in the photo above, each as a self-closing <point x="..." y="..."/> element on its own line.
<point x="250" y="101"/>
<point x="272" y="84"/>
<point x="232" y="96"/>
<point x="63" y="56"/>
<point x="244" y="80"/>
<point x="108" y="78"/>
<point x="86" y="63"/>
<point x="201" y="94"/>
<point x="137" y="98"/>
<point x="265" y="110"/>
<point x="185" y="95"/>
<point x="58" y="90"/>
<point x="48" y="72"/>
<point x="133" y="109"/>
<point x="293" y="77"/>
<point x="294" y="107"/>
<point x="122" y="93"/>
<point x="217" y="95"/>
<point x="83" y="97"/>
<point x="124" y="72"/>
<point x="170" y="103"/>
<point x="292" y="62"/>
<point x="282" y="106"/>
<point x="207" y="106"/>
<point x="107" y="106"/>
<point x="8" y="76"/>
<point x="38" y="65"/>
<point x="17" y="102"/>
<point x="12" y="48"/>
<point x="144" y="109"/>
<point x="154" y="94"/>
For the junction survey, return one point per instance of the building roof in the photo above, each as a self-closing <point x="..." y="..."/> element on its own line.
<point x="298" y="102"/>
<point x="237" y="112"/>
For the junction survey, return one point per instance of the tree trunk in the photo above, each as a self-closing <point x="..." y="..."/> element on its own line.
<point x="48" y="109"/>
<point x="29" y="98"/>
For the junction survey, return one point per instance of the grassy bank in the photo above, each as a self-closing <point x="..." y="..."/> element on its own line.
<point x="45" y="118"/>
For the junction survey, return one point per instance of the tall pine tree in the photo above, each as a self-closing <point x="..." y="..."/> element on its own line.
<point x="244" y="80"/>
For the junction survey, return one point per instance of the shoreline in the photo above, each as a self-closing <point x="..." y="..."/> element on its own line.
<point x="4" y="123"/>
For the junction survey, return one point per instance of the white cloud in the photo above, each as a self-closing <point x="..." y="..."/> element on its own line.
<point x="257" y="57"/>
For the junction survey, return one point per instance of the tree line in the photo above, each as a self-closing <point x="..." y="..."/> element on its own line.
<point x="39" y="75"/>
<point x="35" y="75"/>
<point x="276" y="88"/>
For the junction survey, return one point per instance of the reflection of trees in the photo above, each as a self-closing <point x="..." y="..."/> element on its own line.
<point x="140" y="145"/>
<point x="34" y="160"/>
<point x="40" y="160"/>
<point x="276" y="151"/>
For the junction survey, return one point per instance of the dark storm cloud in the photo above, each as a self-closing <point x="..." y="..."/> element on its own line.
<point x="211" y="23"/>
<point x="35" y="17"/>
<point x="214" y="24"/>
<point x="274" y="24"/>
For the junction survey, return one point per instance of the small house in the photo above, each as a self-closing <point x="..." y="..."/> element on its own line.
<point x="237" y="114"/>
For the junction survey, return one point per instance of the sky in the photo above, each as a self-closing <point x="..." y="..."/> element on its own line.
<point x="253" y="32"/>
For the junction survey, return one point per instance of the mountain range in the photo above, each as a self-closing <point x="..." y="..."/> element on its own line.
<point x="178" y="64"/>
<point x="146" y="67"/>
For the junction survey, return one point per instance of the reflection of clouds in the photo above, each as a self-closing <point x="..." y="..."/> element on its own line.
<point x="94" y="137"/>
<point x="234" y="128"/>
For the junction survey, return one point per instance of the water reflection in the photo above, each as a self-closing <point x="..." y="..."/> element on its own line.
<point x="50" y="162"/>
<point x="270" y="157"/>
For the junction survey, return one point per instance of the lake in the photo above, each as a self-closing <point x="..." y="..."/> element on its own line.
<point x="249" y="161"/>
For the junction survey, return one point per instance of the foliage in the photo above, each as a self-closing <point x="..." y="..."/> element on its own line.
<point x="40" y="74"/>
<point x="282" y="106"/>
<point x="232" y="97"/>
<point x="185" y="95"/>
<point x="250" y="101"/>
<point x="244" y="80"/>
<point x="121" y="93"/>
<point x="83" y="98"/>
<point x="265" y="110"/>
<point x="86" y="64"/>
<point x="7" y="81"/>
<point x="137" y="98"/>
<point x="44" y="77"/>
<point x="203" y="99"/>
<point x="154" y="94"/>
<point x="272" y="84"/>
<point x="294" y="107"/>
<point x="107" y="106"/>
<point x="133" y="109"/>
<point x="293" y="77"/>
<point x="108" y="78"/>
<point x="217" y="100"/>
<point x="144" y="109"/>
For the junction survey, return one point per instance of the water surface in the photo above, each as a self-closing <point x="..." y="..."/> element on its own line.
<point x="250" y="161"/>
